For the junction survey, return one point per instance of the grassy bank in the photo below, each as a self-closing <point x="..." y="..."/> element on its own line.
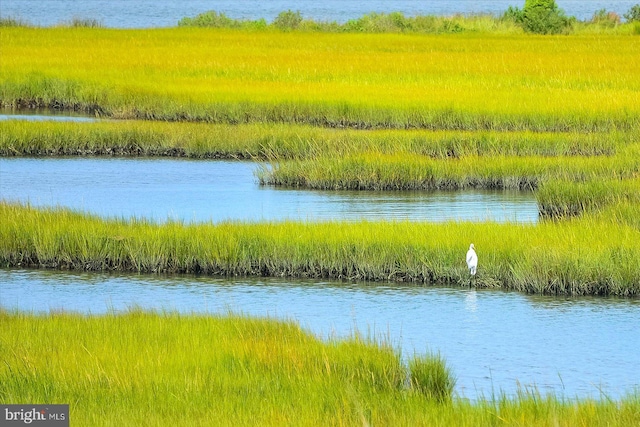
<point x="376" y="171"/>
<point x="576" y="257"/>
<point x="466" y="81"/>
<point x="562" y="199"/>
<point x="142" y="368"/>
<point x="157" y="369"/>
<point x="563" y="167"/>
<point x="277" y="142"/>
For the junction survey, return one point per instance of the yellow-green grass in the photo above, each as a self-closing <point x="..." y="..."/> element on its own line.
<point x="460" y="81"/>
<point x="379" y="171"/>
<point x="565" y="164"/>
<point x="142" y="368"/>
<point x="269" y="141"/>
<point x="158" y="369"/>
<point x="562" y="198"/>
<point x="575" y="257"/>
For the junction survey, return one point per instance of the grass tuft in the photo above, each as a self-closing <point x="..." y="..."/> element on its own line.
<point x="431" y="377"/>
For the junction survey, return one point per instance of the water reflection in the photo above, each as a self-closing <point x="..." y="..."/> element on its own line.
<point x="188" y="190"/>
<point x="492" y="339"/>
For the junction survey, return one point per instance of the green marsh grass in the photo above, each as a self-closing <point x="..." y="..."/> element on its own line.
<point x="158" y="369"/>
<point x="569" y="257"/>
<point x="560" y="198"/>
<point x="561" y="167"/>
<point x="430" y="376"/>
<point x="377" y="171"/>
<point x="394" y="22"/>
<point x="462" y="81"/>
<point x="269" y="141"/>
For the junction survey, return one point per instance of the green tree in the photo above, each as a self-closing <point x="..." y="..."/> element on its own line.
<point x="544" y="17"/>
<point x="633" y="15"/>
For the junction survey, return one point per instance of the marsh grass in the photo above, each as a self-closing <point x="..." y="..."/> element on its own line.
<point x="569" y="257"/>
<point x="560" y="198"/>
<point x="10" y="21"/>
<point x="440" y="82"/>
<point x="80" y="22"/>
<point x="145" y="368"/>
<point x="508" y="22"/>
<point x="430" y="376"/>
<point x="570" y="172"/>
<point x="194" y="370"/>
<point x="277" y="142"/>
<point x="377" y="171"/>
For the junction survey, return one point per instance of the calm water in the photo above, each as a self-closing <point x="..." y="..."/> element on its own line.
<point x="162" y="189"/>
<point x="492" y="340"/>
<point x="31" y="116"/>
<point x="163" y="13"/>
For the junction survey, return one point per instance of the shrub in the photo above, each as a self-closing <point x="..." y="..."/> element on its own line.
<point x="213" y="19"/>
<point x="288" y="20"/>
<point x="544" y="17"/>
<point x="208" y="19"/>
<point x="514" y="14"/>
<point x="633" y="15"/>
<point x="605" y="19"/>
<point x="379" y="23"/>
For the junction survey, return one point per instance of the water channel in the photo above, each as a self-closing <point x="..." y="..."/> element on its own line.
<point x="493" y="341"/>
<point x="187" y="190"/>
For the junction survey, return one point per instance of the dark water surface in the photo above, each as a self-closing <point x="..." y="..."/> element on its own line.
<point x="196" y="191"/>
<point x="167" y="13"/>
<point x="492" y="340"/>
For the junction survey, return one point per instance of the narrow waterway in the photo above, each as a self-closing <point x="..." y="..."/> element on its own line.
<point x="51" y="116"/>
<point x="494" y="341"/>
<point x="195" y="191"/>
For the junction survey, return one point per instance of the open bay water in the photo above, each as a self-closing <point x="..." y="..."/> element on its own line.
<point x="494" y="341"/>
<point x="204" y="190"/>
<point x="167" y="13"/>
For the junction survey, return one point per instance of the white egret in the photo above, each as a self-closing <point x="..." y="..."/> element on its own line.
<point x="472" y="260"/>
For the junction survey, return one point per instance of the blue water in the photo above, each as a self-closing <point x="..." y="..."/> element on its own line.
<point x="164" y="13"/>
<point x="492" y="340"/>
<point x="196" y="191"/>
<point x="49" y="117"/>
